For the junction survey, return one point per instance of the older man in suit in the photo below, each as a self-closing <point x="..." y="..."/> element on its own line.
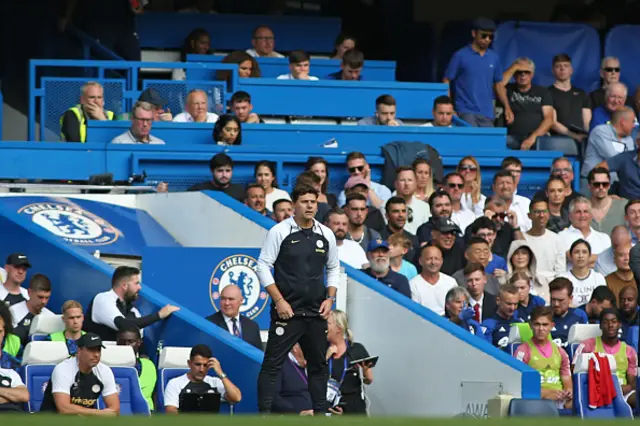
<point x="230" y="319"/>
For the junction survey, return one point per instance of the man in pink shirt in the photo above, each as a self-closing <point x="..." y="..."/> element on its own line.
<point x="626" y="357"/>
<point x="549" y="359"/>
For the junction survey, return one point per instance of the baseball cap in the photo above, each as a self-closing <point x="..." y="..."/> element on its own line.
<point x="90" y="340"/>
<point x="445" y="225"/>
<point x="484" y="24"/>
<point x="355" y="181"/>
<point x="18" y="259"/>
<point x="376" y="244"/>
<point x="152" y="96"/>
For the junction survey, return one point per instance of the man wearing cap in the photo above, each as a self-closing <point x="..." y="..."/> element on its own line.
<point x="380" y="268"/>
<point x="444" y="235"/>
<point x="78" y="382"/>
<point x="140" y="131"/>
<point x="11" y="290"/>
<point x="474" y="73"/>
<point x="357" y="166"/>
<point x="153" y="97"/>
<point x="358" y="213"/>
<point x="221" y="166"/>
<point x="24" y="312"/>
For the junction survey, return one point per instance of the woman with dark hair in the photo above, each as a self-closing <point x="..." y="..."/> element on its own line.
<point x="319" y="166"/>
<point x="265" y="174"/>
<point x="197" y="42"/>
<point x="343" y="43"/>
<point x="9" y="343"/>
<point x="247" y="65"/>
<point x="227" y="131"/>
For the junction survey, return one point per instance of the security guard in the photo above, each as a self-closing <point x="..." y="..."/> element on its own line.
<point x="299" y="249"/>
<point x="147" y="374"/>
<point x="73" y="124"/>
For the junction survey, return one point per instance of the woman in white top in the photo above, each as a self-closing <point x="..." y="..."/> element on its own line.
<point x="424" y="179"/>
<point x="197" y="42"/>
<point x="471" y="199"/>
<point x="319" y="166"/>
<point x="583" y="278"/>
<point x="265" y="174"/>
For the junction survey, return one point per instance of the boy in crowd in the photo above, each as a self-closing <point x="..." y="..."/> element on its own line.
<point x="399" y="246"/>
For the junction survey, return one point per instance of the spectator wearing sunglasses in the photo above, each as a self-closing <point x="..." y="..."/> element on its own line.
<point x="454" y="185"/>
<point x="615" y="95"/>
<point x="472" y="199"/>
<point x="357" y="166"/>
<point x="418" y="212"/>
<point x="610" y="74"/>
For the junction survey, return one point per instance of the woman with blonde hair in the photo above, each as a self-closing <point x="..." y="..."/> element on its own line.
<point x="346" y="381"/>
<point x="472" y="199"/>
<point x="424" y="179"/>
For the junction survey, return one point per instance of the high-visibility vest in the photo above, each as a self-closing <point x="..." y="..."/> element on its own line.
<point x="77" y="110"/>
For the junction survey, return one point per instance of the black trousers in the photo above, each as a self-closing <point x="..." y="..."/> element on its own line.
<point x="311" y="333"/>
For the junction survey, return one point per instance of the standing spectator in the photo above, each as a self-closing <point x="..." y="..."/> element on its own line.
<point x="350" y="67"/>
<point x="320" y="166"/>
<point x="580" y="217"/>
<point x="357" y="166"/>
<point x="418" y="212"/>
<point x="555" y="196"/>
<point x="473" y="73"/>
<point x="444" y="235"/>
<point x="458" y="311"/>
<point x="454" y="185"/>
<point x="583" y="278"/>
<point x="615" y="96"/>
<point x="248" y="66"/>
<point x="424" y="179"/>
<point x="11" y="290"/>
<point x="564" y="316"/>
<point x="601" y="298"/>
<point x="299" y="67"/>
<point x="229" y="319"/>
<point x="198" y="42"/>
<point x="24" y="312"/>
<point x="73" y="319"/>
<point x="496" y="328"/>
<point x="442" y="112"/>
<point x="399" y="246"/>
<point x="622" y="276"/>
<point x="357" y="211"/>
<point x="477" y="251"/>
<point x="113" y="310"/>
<point x="197" y="109"/>
<point x="282" y="210"/>
<point x="147" y="371"/>
<point x="140" y="131"/>
<point x="221" y="166"/>
<point x="264" y="43"/>
<point x="380" y="268"/>
<point x="572" y="108"/>
<point x="227" y="130"/>
<point x="431" y="286"/>
<point x="620" y="237"/>
<point x="506" y="225"/>
<point x="522" y="259"/>
<point x="504" y="187"/>
<point x="255" y="198"/>
<point x="472" y="198"/>
<point x="292" y="393"/>
<point x="396" y="215"/>
<point x="482" y="302"/>
<point x="242" y="107"/>
<point x="265" y="174"/>
<point x="385" y="113"/>
<point x="610" y="74"/>
<point x="73" y="123"/>
<point x="344" y="42"/>
<point x="528" y="302"/>
<point x="545" y="244"/>
<point x="349" y="251"/>
<point x="607" y="211"/>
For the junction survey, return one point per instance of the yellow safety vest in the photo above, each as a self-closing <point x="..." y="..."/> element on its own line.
<point x="77" y="110"/>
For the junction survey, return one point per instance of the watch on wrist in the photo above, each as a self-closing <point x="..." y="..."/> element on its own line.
<point x="516" y="228"/>
<point x="222" y="376"/>
<point x="333" y="298"/>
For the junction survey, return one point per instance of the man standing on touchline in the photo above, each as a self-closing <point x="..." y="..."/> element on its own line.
<point x="299" y="249"/>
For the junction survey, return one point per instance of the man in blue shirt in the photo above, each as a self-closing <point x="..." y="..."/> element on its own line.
<point x="628" y="169"/>
<point x="496" y="328"/>
<point x="615" y="97"/>
<point x="380" y="269"/>
<point x="601" y="298"/>
<point x="561" y="291"/>
<point x="474" y="72"/>
<point x="628" y="310"/>
<point x="351" y="66"/>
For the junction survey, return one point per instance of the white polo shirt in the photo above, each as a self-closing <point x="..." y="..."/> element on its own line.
<point x="599" y="241"/>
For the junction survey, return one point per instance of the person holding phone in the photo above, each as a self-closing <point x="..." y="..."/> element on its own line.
<point x="345" y="390"/>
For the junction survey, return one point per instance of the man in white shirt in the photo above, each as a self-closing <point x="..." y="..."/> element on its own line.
<point x="24" y="312"/>
<point x="514" y="165"/>
<point x="197" y="109"/>
<point x="580" y="217"/>
<point x="442" y="112"/>
<point x="503" y="187"/>
<point x="454" y="185"/>
<point x="606" y="260"/>
<point x="264" y="43"/>
<point x="545" y="244"/>
<point x="430" y="287"/>
<point x="229" y="318"/>
<point x="299" y="67"/>
<point x="349" y="252"/>
<point x="140" y="131"/>
<point x="418" y="212"/>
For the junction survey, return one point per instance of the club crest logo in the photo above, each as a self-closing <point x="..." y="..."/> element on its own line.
<point x="71" y="223"/>
<point x="239" y="270"/>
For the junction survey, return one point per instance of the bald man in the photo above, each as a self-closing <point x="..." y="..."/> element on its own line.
<point x="197" y="109"/>
<point x="229" y="318"/>
<point x="622" y="277"/>
<point x="606" y="263"/>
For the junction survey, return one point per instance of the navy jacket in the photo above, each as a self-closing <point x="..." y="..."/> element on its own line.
<point x="249" y="329"/>
<point x="292" y="392"/>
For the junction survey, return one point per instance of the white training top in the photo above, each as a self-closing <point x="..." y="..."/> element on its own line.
<point x="65" y="374"/>
<point x="182" y="383"/>
<point x="104" y="310"/>
<point x="10" y="379"/>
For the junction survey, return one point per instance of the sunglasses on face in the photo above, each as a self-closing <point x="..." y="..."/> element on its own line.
<point x="486" y="36"/>
<point x="600" y="184"/>
<point x="355" y="169"/>
<point x="523" y="72"/>
<point x="612" y="69"/>
<point x="468" y="168"/>
<point x="455" y="185"/>
<point x="500" y="215"/>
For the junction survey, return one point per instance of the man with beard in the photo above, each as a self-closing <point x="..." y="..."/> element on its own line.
<point x="503" y="188"/>
<point x="349" y="251"/>
<point x="629" y="311"/>
<point x="24" y="312"/>
<point x="396" y="213"/>
<point x="221" y="166"/>
<point x="113" y="310"/>
<point x="358" y="212"/>
<point x="440" y="206"/>
<point x="380" y="268"/>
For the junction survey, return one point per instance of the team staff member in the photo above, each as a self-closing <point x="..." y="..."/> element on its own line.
<point x="229" y="317"/>
<point x="299" y="249"/>
<point x="113" y="310"/>
<point x="24" y="312"/>
<point x="13" y="392"/>
<point x="146" y="369"/>
<point x="77" y="382"/>
<point x="73" y="318"/>
<point x="9" y="343"/>
<point x="11" y="290"/>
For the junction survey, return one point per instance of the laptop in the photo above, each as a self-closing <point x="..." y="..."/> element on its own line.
<point x="200" y="403"/>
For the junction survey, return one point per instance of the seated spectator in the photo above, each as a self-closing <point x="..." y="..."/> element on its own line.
<point x="349" y="251"/>
<point x="562" y="168"/>
<point x="477" y="252"/>
<point x="10" y="345"/>
<point x="264" y="43"/>
<point x="629" y="309"/>
<point x="396" y="217"/>
<point x="583" y="278"/>
<point x="609" y="343"/>
<point x="242" y="107"/>
<point x="514" y="165"/>
<point x="385" y="113"/>
<point x="357" y="212"/>
<point x="11" y="290"/>
<point x="610" y="139"/>
<point x="24" y="312"/>
<point x="78" y="382"/>
<point x="601" y="298"/>
<point x="350" y="67"/>
<point x="221" y="166"/>
<point x="227" y="130"/>
<point x="496" y="328"/>
<point x="424" y="179"/>
<point x="418" y="212"/>
<point x="255" y="198"/>
<point x="532" y="106"/>
<point x="610" y="74"/>
<point x="147" y="373"/>
<point x="506" y="225"/>
<point x="13" y="393"/>
<point x="580" y="217"/>
<point x="265" y="174"/>
<point x="608" y="212"/>
<point x="503" y="187"/>
<point x="292" y="392"/>
<point x="550" y="360"/>
<point x="545" y="244"/>
<point x="485" y="228"/>
<point x="299" y="67"/>
<point x="198" y="42"/>
<point x="73" y="319"/>
<point x="564" y="316"/>
<point x="571" y="105"/>
<point x="197" y="381"/>
<point x="481" y="301"/>
<point x="522" y="259"/>
<point x="454" y="186"/>
<point x="248" y="66"/>
<point x="555" y="195"/>
<point x="113" y="310"/>
<point x="73" y="123"/>
<point x="344" y="42"/>
<point x="431" y="286"/>
<point x="357" y="185"/>
<point x="140" y="131"/>
<point x="153" y="97"/>
<point x="399" y="246"/>
<point x="628" y="170"/>
<point x="442" y="112"/>
<point x="320" y="166"/>
<point x="458" y="311"/>
<point x="357" y="166"/>
<point x="197" y="109"/>
<point x="228" y="317"/>
<point x="282" y="209"/>
<point x="311" y="179"/>
<point x="472" y="199"/>
<point x="615" y="95"/>
<point x="444" y="235"/>
<point x="528" y="302"/>
<point x="622" y="276"/>
<point x="380" y="270"/>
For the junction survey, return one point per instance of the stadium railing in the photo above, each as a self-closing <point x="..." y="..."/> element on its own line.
<point x="91" y="46"/>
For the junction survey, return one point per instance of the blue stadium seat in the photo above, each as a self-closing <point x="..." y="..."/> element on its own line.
<point x="617" y="44"/>
<point x="131" y="399"/>
<point x="532" y="408"/>
<point x="542" y="41"/>
<point x="564" y="144"/>
<point x="36" y="379"/>
<point x="39" y="338"/>
<point x="39" y="360"/>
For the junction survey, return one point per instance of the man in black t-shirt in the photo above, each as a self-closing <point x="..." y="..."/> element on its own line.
<point x="24" y="312"/>
<point x="221" y="166"/>
<point x="11" y="290"/>
<point x="532" y="106"/>
<point x="572" y="105"/>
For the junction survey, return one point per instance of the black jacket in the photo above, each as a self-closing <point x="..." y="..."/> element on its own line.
<point x="292" y="392"/>
<point x="249" y="328"/>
